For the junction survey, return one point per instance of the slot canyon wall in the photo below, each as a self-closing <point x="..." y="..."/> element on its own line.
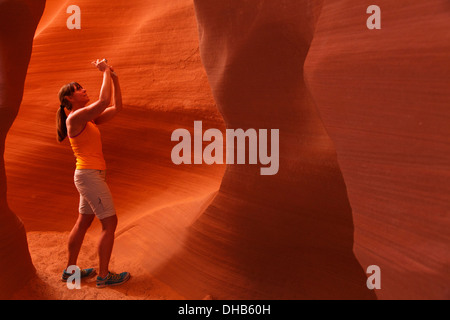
<point x="285" y="236"/>
<point x="18" y="22"/>
<point x="363" y="118"/>
<point x="383" y="96"/>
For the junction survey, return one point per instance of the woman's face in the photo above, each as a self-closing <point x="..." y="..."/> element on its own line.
<point x="79" y="97"/>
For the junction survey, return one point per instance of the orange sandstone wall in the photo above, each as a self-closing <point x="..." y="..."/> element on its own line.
<point x="286" y="236"/>
<point x="18" y="21"/>
<point x="383" y="96"/>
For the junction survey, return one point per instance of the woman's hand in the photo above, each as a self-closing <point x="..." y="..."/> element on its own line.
<point x="101" y="65"/>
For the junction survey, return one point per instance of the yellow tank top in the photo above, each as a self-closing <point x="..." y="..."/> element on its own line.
<point x="87" y="148"/>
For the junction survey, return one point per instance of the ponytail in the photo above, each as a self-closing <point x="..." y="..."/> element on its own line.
<point x="61" y="127"/>
<point x="61" y="117"/>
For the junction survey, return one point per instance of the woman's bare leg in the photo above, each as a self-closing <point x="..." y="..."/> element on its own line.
<point x="106" y="243"/>
<point x="76" y="236"/>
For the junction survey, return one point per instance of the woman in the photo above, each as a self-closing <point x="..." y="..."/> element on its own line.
<point x="95" y="197"/>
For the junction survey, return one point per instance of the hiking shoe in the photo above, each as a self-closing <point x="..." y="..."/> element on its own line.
<point x="112" y="279"/>
<point x="84" y="274"/>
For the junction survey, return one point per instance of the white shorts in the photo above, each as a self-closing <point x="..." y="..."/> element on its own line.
<point x="95" y="196"/>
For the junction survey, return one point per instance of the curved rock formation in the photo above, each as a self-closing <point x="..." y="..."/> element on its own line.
<point x="384" y="95"/>
<point x="286" y="236"/>
<point x="18" y="21"/>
